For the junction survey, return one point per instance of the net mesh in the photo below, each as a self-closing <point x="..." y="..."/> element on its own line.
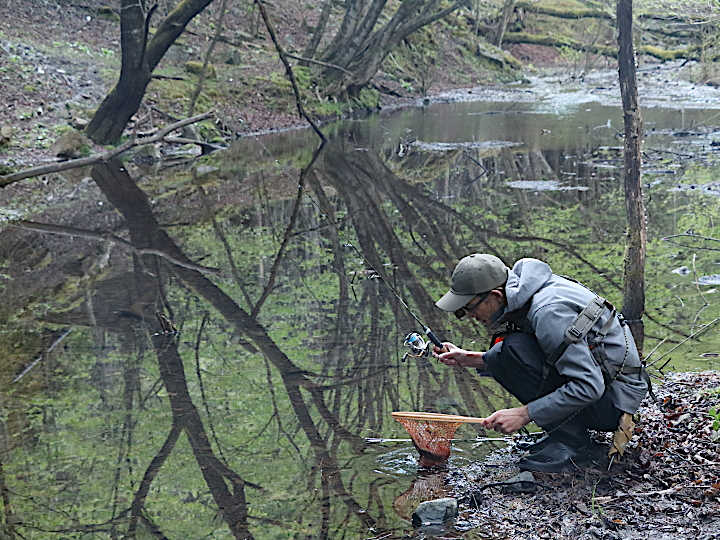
<point x="432" y="438"/>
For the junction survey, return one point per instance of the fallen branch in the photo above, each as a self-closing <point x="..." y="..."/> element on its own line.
<point x="561" y="41"/>
<point x="8" y="179"/>
<point x="621" y="495"/>
<point x="206" y="147"/>
<point x="566" y="13"/>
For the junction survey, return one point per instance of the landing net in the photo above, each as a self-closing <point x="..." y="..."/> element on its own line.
<point x="432" y="433"/>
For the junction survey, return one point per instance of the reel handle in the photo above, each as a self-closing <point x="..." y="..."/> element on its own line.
<point x="436" y="341"/>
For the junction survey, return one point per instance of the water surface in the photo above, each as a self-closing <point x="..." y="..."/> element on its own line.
<point x="193" y="351"/>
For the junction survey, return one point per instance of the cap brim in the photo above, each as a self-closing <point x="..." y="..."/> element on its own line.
<point x="452" y="301"/>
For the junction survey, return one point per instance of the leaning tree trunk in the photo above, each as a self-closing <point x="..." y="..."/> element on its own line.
<point x="634" y="293"/>
<point x="139" y="59"/>
<point x="362" y="43"/>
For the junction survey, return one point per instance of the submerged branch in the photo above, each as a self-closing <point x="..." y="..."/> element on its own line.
<point x="107" y="237"/>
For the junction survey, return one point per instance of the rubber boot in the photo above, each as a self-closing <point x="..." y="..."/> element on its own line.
<point x="566" y="447"/>
<point x="533" y="446"/>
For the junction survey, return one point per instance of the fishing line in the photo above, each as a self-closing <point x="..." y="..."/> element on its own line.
<point x="413" y="340"/>
<point x="417" y="346"/>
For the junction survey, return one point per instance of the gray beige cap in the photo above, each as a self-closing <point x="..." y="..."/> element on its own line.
<point x="475" y="274"/>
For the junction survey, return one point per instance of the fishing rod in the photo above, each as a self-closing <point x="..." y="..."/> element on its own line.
<point x="414" y="341"/>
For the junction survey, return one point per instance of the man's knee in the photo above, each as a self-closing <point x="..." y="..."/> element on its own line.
<point x="519" y="366"/>
<point x="519" y="353"/>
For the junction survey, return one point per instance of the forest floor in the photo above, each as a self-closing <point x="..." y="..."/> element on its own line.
<point x="667" y="485"/>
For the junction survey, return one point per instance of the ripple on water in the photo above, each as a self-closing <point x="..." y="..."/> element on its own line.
<point x="544" y="185"/>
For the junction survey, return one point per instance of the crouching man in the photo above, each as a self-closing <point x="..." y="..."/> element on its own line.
<point x="560" y="349"/>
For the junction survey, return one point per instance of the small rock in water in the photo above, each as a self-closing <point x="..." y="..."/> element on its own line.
<point x="435" y="512"/>
<point x="682" y="270"/>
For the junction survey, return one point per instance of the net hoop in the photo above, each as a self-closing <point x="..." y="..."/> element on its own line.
<point x="432" y="433"/>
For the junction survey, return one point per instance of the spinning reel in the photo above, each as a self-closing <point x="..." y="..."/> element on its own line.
<point x="417" y="346"/>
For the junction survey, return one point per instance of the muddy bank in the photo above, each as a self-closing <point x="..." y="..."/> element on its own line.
<point x="666" y="486"/>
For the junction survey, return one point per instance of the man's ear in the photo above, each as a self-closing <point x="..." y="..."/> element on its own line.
<point x="499" y="294"/>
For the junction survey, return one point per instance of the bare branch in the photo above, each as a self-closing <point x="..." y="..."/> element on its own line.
<point x="8" y="179"/>
<point x="318" y="62"/>
<point x="288" y="71"/>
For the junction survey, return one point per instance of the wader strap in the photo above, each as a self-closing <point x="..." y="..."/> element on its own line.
<point x="579" y="328"/>
<point x="577" y="331"/>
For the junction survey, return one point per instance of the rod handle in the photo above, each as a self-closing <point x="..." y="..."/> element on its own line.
<point x="429" y="333"/>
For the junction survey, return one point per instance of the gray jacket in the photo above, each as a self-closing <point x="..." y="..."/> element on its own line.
<point x="554" y="304"/>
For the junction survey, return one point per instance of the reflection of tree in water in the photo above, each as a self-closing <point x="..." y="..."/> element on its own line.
<point x="405" y="233"/>
<point x="145" y="232"/>
<point x="390" y="220"/>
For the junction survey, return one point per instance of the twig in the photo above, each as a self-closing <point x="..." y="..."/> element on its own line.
<point x="661" y="151"/>
<point x="669" y="491"/>
<point x="655" y="349"/>
<point x="499" y="484"/>
<point x="35" y="362"/>
<point x="203" y="395"/>
<point x="697" y="282"/>
<point x="8" y="179"/>
<point x="318" y="62"/>
<point x="689" y="235"/>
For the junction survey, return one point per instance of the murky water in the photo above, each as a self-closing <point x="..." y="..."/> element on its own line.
<point x="192" y="350"/>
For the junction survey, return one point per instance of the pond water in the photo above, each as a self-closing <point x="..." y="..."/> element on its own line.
<point x="192" y="350"/>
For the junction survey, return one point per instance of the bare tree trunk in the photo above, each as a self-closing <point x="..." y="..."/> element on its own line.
<point x="507" y="12"/>
<point x="362" y="42"/>
<point x="634" y="292"/>
<point x="311" y="48"/>
<point x="139" y="59"/>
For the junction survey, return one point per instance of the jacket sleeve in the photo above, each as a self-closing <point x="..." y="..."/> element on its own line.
<point x="584" y="384"/>
<point x="489" y="356"/>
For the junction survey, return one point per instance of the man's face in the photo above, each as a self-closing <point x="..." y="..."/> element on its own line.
<point x="483" y="310"/>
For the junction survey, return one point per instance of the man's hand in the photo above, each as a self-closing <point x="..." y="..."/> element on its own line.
<point x="451" y="355"/>
<point x="508" y="420"/>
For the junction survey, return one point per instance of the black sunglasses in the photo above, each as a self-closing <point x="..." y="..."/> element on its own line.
<point x="460" y="313"/>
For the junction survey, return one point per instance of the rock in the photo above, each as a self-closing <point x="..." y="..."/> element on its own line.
<point x="6" y="133"/>
<point x="523" y="482"/>
<point x="79" y="123"/>
<point x="148" y="153"/>
<point x="435" y="512"/>
<point x="71" y="144"/>
<point x="196" y="68"/>
<point x="205" y="170"/>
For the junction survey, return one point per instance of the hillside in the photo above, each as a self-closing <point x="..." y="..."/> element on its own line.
<point x="51" y="85"/>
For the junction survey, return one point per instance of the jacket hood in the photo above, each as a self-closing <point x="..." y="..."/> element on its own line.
<point x="526" y="278"/>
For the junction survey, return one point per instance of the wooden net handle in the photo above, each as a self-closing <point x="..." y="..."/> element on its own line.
<point x="437" y="417"/>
